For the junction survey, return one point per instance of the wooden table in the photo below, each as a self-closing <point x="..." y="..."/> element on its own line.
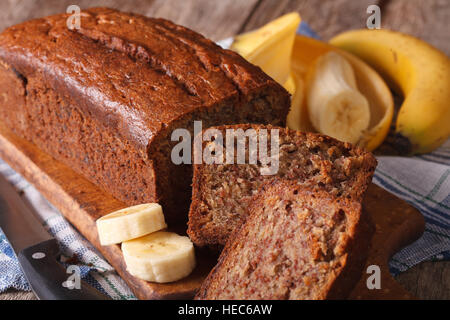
<point x="219" y="19"/>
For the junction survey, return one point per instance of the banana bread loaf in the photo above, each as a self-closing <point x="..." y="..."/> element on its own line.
<point x="221" y="193"/>
<point x="105" y="98"/>
<point x="297" y="243"/>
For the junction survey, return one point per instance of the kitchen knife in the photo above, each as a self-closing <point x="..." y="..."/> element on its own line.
<point x="37" y="251"/>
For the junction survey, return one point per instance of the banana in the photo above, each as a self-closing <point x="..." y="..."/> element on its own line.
<point x="422" y="75"/>
<point x="286" y="57"/>
<point x="130" y="223"/>
<point x="159" y="257"/>
<point x="270" y="46"/>
<point x="305" y="52"/>
<point x="335" y="106"/>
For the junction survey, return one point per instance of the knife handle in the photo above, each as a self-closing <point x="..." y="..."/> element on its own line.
<point x="47" y="276"/>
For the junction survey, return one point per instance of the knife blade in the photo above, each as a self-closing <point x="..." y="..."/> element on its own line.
<point x="37" y="251"/>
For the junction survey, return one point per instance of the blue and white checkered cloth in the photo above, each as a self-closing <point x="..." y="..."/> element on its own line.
<point x="423" y="181"/>
<point x="74" y="247"/>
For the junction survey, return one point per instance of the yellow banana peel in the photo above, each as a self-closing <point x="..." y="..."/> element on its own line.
<point x="297" y="118"/>
<point x="270" y="46"/>
<point x="422" y="75"/>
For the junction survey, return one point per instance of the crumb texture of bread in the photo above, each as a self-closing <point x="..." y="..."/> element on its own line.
<point x="222" y="193"/>
<point x="297" y="243"/>
<point x="105" y="98"/>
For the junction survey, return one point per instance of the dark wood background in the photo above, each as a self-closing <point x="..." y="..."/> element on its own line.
<point x="219" y="19"/>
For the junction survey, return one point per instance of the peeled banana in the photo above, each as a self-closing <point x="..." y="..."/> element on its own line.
<point x="422" y="75"/>
<point x="306" y="51"/>
<point x="130" y="223"/>
<point x="159" y="257"/>
<point x="335" y="106"/>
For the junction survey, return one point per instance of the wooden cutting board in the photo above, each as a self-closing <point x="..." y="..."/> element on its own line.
<point x="81" y="202"/>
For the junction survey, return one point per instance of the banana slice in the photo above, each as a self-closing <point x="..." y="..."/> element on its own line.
<point x="130" y="223"/>
<point x="159" y="257"/>
<point x="335" y="106"/>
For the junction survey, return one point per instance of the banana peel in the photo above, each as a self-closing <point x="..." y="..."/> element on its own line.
<point x="266" y="45"/>
<point x="306" y="50"/>
<point x="297" y="118"/>
<point x="419" y="72"/>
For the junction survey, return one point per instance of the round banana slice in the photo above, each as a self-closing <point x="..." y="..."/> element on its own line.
<point x="130" y="223"/>
<point x="159" y="257"/>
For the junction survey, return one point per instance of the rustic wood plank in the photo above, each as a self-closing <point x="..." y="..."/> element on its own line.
<point x="397" y="224"/>
<point x="214" y="19"/>
<point x="16" y="11"/>
<point x="427" y="20"/>
<point x="428" y="280"/>
<point x="326" y="17"/>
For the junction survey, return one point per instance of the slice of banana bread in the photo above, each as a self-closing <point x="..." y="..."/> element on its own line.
<point x="222" y="192"/>
<point x="297" y="243"/>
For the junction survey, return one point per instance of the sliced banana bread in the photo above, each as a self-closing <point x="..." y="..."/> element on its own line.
<point x="105" y="98"/>
<point x="222" y="192"/>
<point x="297" y="243"/>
